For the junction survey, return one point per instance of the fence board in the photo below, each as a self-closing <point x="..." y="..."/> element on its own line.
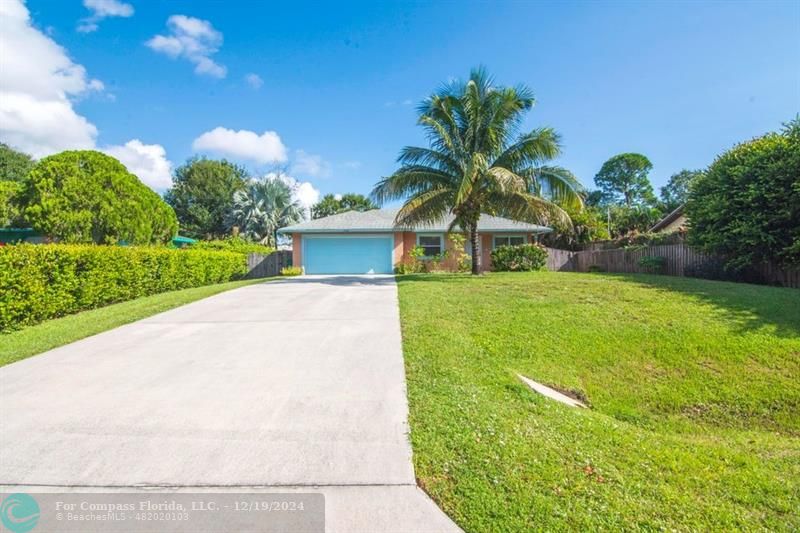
<point x="678" y="258"/>
<point x="264" y="266"/>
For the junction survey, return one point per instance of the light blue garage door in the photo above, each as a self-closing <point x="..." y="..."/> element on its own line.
<point x="347" y="255"/>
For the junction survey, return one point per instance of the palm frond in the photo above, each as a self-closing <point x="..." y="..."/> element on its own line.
<point x="410" y="181"/>
<point x="425" y="209"/>
<point x="559" y="185"/>
<point x="533" y="148"/>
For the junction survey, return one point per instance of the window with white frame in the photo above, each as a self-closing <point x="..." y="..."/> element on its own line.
<point x="508" y="240"/>
<point x="431" y="244"/>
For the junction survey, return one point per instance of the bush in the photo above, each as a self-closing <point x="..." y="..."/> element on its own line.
<point x="39" y="282"/>
<point x="233" y="244"/>
<point x="89" y="197"/>
<point x="291" y="271"/>
<point x="522" y="258"/>
<point x="747" y="206"/>
<point x="653" y="264"/>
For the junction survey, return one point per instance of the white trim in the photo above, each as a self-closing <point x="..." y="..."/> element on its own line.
<point x="508" y="236"/>
<point x="433" y="234"/>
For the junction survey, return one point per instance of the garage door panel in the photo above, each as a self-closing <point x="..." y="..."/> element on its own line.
<point x="348" y="255"/>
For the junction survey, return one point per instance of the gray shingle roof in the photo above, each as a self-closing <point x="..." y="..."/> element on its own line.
<point x="382" y="221"/>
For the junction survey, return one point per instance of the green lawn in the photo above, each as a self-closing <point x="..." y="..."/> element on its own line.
<point x="57" y="332"/>
<point x="694" y="393"/>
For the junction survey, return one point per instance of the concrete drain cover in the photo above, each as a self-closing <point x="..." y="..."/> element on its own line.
<point x="553" y="394"/>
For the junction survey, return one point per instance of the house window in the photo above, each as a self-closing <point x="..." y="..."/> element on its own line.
<point x="508" y="240"/>
<point x="430" y="244"/>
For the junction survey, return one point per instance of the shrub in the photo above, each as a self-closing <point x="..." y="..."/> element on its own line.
<point x="89" y="197"/>
<point x="525" y="257"/>
<point x="39" y="282"/>
<point x="414" y="264"/>
<point x="291" y="271"/>
<point x="233" y="244"/>
<point x="653" y="264"/>
<point x="746" y="207"/>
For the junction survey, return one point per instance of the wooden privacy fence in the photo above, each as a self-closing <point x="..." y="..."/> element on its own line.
<point x="263" y="266"/>
<point x="678" y="258"/>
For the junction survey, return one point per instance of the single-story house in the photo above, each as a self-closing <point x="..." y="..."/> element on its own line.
<point x="369" y="242"/>
<point x="674" y="221"/>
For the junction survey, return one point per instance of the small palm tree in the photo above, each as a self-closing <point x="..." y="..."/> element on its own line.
<point x="263" y="207"/>
<point x="479" y="162"/>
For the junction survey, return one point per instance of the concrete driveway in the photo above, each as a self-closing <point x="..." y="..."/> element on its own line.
<point x="295" y="385"/>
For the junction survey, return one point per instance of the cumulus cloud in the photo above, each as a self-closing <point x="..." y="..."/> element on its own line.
<point x="254" y="80"/>
<point x="102" y="9"/>
<point x="310" y="165"/>
<point x="192" y="39"/>
<point x="147" y="161"/>
<point x="243" y="144"/>
<point x="303" y="191"/>
<point x="38" y="83"/>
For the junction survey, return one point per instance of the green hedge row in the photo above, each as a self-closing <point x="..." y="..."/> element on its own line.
<point x="39" y="282"/>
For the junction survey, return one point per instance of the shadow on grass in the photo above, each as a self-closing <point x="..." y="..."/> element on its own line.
<point x="750" y="307"/>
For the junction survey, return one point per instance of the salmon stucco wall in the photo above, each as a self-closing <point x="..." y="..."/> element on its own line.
<point x="297" y="249"/>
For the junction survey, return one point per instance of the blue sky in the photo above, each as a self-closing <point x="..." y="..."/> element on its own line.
<point x="676" y="81"/>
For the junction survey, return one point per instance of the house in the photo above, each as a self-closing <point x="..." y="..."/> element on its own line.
<point x="675" y="221"/>
<point x="369" y="242"/>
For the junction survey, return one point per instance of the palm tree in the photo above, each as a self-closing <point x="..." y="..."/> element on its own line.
<point x="478" y="162"/>
<point x="263" y="207"/>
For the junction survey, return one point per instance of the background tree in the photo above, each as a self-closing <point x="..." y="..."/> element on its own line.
<point x="478" y="162"/>
<point x="263" y="207"/>
<point x="14" y="165"/>
<point x="202" y="195"/>
<point x="675" y="193"/>
<point x="331" y="205"/>
<point x="86" y="196"/>
<point x="624" y="179"/>
<point x="10" y="209"/>
<point x="746" y="207"/>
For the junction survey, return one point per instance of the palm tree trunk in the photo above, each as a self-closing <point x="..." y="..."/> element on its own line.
<point x="476" y="259"/>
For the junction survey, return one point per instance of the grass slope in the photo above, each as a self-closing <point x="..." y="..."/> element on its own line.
<point x="57" y="332"/>
<point x="695" y="419"/>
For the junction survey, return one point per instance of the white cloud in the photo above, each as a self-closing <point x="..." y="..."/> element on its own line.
<point x="102" y="9"/>
<point x="243" y="144"/>
<point x="254" y="80"/>
<point x="193" y="39"/>
<point x="146" y="161"/>
<point x="310" y="165"/>
<point x="303" y="192"/>
<point x="38" y="82"/>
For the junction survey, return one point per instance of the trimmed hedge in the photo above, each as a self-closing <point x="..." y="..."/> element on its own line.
<point x="522" y="258"/>
<point x="39" y="282"/>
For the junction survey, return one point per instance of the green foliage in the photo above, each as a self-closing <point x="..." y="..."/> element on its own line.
<point x="676" y="192"/>
<point x="233" y="244"/>
<point x="653" y="264"/>
<point x="461" y="258"/>
<point x="14" y="165"/>
<point x="623" y="179"/>
<point x="632" y="220"/>
<point x="86" y="196"/>
<point x="263" y="207"/>
<point x="414" y="264"/>
<point x="522" y="258"/>
<point x="588" y="225"/>
<point x="38" y="282"/>
<point x="202" y="196"/>
<point x="330" y="205"/>
<point x="747" y="205"/>
<point x="291" y="271"/>
<point x="10" y="210"/>
<point x="479" y="161"/>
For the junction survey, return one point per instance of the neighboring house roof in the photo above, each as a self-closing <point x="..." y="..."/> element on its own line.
<point x="382" y="221"/>
<point x="669" y="219"/>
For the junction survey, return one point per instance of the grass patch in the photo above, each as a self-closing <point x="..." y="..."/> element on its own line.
<point x="59" y="331"/>
<point x="695" y="419"/>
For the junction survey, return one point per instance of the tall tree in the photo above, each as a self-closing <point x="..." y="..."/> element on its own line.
<point x="202" y="195"/>
<point x="478" y="162"/>
<point x="623" y="178"/>
<point x="86" y="196"/>
<point x="675" y="193"/>
<point x="263" y="207"/>
<point x="332" y="204"/>
<point x="14" y="165"/>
